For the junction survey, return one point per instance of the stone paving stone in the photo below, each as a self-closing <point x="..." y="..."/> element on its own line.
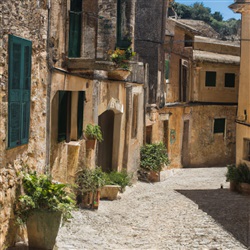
<point x="187" y="211"/>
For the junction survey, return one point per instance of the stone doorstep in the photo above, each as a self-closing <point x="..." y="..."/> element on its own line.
<point x="165" y="174"/>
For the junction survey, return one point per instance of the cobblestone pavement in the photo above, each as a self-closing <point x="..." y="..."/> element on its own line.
<point x="188" y="210"/>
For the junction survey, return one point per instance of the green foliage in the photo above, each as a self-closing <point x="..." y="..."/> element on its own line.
<point x="40" y="192"/>
<point x="120" y="57"/>
<point x="154" y="156"/>
<point x="240" y="174"/>
<point x="122" y="179"/>
<point x="93" y="132"/>
<point x="90" y="180"/>
<point x="198" y="11"/>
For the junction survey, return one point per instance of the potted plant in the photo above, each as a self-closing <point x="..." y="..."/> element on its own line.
<point x="232" y="176"/>
<point x="88" y="185"/>
<point x="41" y="205"/>
<point x="115" y="182"/>
<point x="239" y="178"/>
<point x="93" y="133"/>
<point x="120" y="57"/>
<point x="153" y="158"/>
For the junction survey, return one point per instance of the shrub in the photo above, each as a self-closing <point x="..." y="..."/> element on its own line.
<point x="122" y="179"/>
<point x="40" y="192"/>
<point x="240" y="174"/>
<point x="90" y="180"/>
<point x="153" y="156"/>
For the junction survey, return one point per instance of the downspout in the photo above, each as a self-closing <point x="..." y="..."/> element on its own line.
<point x="47" y="162"/>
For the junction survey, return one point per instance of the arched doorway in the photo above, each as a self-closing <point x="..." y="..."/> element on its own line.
<point x="105" y="148"/>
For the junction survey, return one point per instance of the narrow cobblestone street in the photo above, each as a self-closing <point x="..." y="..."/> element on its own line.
<point x="189" y="210"/>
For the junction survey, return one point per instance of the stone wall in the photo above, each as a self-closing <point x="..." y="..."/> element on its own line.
<point x="26" y="19"/>
<point x="149" y="41"/>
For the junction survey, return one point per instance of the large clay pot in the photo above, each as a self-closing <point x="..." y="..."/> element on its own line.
<point x="43" y="227"/>
<point x="90" y="144"/>
<point x="90" y="200"/>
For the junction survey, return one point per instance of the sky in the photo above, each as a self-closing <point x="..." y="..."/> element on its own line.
<point x="219" y="5"/>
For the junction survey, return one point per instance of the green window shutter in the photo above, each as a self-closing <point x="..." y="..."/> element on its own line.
<point x="26" y="95"/>
<point x="230" y="80"/>
<point x="210" y="79"/>
<point x="62" y="115"/>
<point x="219" y="125"/>
<point x="166" y="69"/>
<point x="81" y="99"/>
<point x="19" y="91"/>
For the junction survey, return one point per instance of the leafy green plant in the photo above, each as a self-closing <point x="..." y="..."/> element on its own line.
<point x="90" y="180"/>
<point x="41" y="193"/>
<point x="153" y="156"/>
<point x="122" y="179"/>
<point x="93" y="132"/>
<point x="239" y="174"/>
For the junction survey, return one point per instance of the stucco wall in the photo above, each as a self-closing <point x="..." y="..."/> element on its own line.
<point x="219" y="93"/>
<point x="26" y="19"/>
<point x="204" y="148"/>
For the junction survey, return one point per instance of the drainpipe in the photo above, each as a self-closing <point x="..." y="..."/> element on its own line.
<point x="47" y="162"/>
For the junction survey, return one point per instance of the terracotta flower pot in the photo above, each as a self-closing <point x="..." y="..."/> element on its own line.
<point x="118" y="74"/>
<point x="90" y="144"/>
<point x="90" y="200"/>
<point x="244" y="188"/>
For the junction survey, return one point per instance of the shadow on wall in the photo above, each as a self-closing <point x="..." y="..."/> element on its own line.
<point x="230" y="210"/>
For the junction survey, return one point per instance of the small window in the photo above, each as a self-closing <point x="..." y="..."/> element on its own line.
<point x="230" y="80"/>
<point x="210" y="79"/>
<point x="149" y="134"/>
<point x="246" y="151"/>
<point x="219" y="125"/>
<point x="75" y="26"/>
<point x="123" y="33"/>
<point x="166" y="69"/>
<point x="188" y="41"/>
<point x="19" y="91"/>
<point x="70" y="105"/>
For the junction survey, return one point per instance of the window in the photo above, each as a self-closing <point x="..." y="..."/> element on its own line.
<point x="246" y="151"/>
<point x="70" y="115"/>
<point x="230" y="80"/>
<point x="123" y="34"/>
<point x="149" y="134"/>
<point x="210" y="79"/>
<point x="188" y="41"/>
<point x="75" y="26"/>
<point x="166" y="69"/>
<point x="19" y="91"/>
<point x="219" y="125"/>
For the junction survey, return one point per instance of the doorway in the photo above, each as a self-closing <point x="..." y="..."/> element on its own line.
<point x="185" y="144"/>
<point x="105" y="148"/>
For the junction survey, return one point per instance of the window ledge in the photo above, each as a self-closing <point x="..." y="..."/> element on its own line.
<point x="73" y="143"/>
<point x="88" y="64"/>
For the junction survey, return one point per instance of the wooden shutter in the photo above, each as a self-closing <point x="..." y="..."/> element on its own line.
<point x="19" y="91"/>
<point x="62" y="115"/>
<point x="81" y="99"/>
<point x="75" y="21"/>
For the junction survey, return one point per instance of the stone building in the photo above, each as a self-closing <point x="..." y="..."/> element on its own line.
<point x="23" y="91"/>
<point x="202" y="76"/>
<point x="243" y="118"/>
<point x="56" y="77"/>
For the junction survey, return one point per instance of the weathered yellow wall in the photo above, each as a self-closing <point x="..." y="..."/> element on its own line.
<point x="219" y="93"/>
<point x="205" y="149"/>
